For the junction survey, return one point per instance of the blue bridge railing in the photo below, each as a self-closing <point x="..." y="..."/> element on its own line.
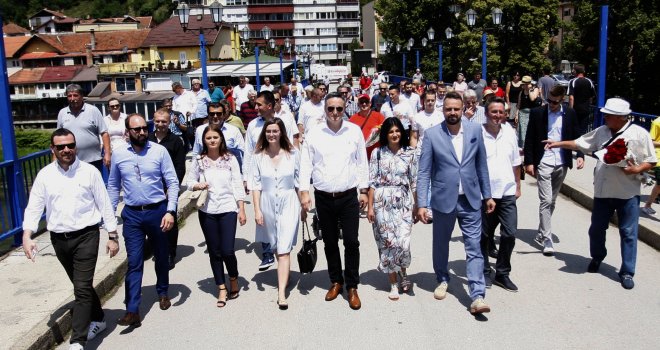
<point x="30" y="165"/>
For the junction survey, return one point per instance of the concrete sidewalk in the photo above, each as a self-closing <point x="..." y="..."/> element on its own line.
<point x="37" y="296"/>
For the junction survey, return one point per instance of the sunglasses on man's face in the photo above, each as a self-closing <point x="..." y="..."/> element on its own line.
<point x="215" y="114"/>
<point x="71" y="145"/>
<point x="332" y="109"/>
<point x="554" y="102"/>
<point x="137" y="129"/>
<point x="113" y="106"/>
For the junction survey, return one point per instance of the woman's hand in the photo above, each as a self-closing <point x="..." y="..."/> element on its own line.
<point x="201" y="186"/>
<point x="259" y="217"/>
<point x="371" y="215"/>
<point x="242" y="219"/>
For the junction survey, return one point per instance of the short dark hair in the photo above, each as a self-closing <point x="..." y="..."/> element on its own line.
<point x="394" y="87"/>
<point x="453" y="95"/>
<point x="262" y="142"/>
<point x="268" y="97"/>
<point x="494" y="100"/>
<point x="546" y="70"/>
<point x="557" y="91"/>
<point x="113" y="99"/>
<point x="166" y="100"/>
<point x="212" y="105"/>
<point x="60" y="132"/>
<point x="579" y="68"/>
<point x="333" y="95"/>
<point x="223" y="143"/>
<point x="388" y="123"/>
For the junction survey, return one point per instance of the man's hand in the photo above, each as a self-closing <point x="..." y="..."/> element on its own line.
<point x="518" y="193"/>
<point x="529" y="170"/>
<point x="305" y="201"/>
<point x="29" y="246"/>
<point x="580" y="163"/>
<point x="112" y="248"/>
<point x="490" y="205"/>
<point x="242" y="219"/>
<point x="106" y="159"/>
<point x="422" y="215"/>
<point x="364" y="199"/>
<point x="167" y="223"/>
<point x="631" y="169"/>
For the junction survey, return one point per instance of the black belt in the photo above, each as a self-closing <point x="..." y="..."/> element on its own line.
<point x="337" y="194"/>
<point x="72" y="234"/>
<point x="146" y="206"/>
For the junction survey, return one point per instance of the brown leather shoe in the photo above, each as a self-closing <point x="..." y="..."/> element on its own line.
<point x="164" y="302"/>
<point x="333" y="292"/>
<point x="130" y="319"/>
<point x="354" y="299"/>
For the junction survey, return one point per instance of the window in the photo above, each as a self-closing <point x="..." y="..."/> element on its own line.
<point x="567" y="12"/>
<point x="182" y="56"/>
<point x="161" y="56"/>
<point x="348" y="31"/>
<point x="125" y="84"/>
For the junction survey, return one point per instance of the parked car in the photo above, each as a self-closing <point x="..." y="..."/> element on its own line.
<point x="560" y="79"/>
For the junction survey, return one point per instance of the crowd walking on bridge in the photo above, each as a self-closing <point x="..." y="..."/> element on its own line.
<point x="394" y="155"/>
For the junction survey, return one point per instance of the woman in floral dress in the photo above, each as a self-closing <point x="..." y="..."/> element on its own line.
<point x="392" y="202"/>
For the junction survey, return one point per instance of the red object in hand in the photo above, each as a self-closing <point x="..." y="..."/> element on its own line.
<point x="616" y="152"/>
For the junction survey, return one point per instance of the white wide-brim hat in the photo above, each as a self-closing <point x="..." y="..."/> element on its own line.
<point x="616" y="106"/>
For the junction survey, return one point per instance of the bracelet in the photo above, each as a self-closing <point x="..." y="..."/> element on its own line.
<point x="364" y="191"/>
<point x="114" y="238"/>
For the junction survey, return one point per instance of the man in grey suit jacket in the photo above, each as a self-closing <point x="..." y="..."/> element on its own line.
<point x="453" y="163"/>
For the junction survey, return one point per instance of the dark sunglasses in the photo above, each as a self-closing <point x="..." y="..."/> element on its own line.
<point x="137" y="129"/>
<point x="113" y="106"/>
<point x="71" y="145"/>
<point x="554" y="102"/>
<point x="332" y="109"/>
<point x="215" y="114"/>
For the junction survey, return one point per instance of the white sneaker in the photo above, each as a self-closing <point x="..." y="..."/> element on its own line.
<point x="440" y="291"/>
<point x="76" y="346"/>
<point x="648" y="211"/>
<point x="394" y="292"/>
<point x="548" y="249"/>
<point x="95" y="328"/>
<point x="479" y="306"/>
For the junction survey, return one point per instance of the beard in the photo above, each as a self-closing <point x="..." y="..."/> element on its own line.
<point x="453" y="120"/>
<point x="140" y="140"/>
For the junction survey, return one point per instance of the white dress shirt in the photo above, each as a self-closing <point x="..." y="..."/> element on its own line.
<point x="74" y="199"/>
<point x="336" y="162"/>
<point x="400" y="110"/>
<point x="184" y="103"/>
<point x="241" y="94"/>
<point x="311" y="115"/>
<point x="503" y="154"/>
<point x="413" y="100"/>
<point x="457" y="143"/>
<point x="553" y="157"/>
<point x="233" y="138"/>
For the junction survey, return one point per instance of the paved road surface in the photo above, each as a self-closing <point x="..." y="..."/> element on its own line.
<point x="559" y="305"/>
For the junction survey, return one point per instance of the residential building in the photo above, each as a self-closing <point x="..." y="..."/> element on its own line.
<point x="51" y="22"/>
<point x="13" y="29"/>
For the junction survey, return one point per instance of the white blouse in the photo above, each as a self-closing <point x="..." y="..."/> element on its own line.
<point x="224" y="179"/>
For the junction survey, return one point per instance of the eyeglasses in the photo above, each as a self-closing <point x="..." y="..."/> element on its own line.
<point x="137" y="129"/>
<point x="113" y="106"/>
<point x="71" y="145"/>
<point x="332" y="109"/>
<point x="215" y="114"/>
<point x="554" y="102"/>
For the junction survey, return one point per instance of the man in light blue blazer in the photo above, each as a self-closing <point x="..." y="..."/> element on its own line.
<point x="453" y="163"/>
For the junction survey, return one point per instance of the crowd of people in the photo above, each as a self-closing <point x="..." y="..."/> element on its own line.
<point x="395" y="155"/>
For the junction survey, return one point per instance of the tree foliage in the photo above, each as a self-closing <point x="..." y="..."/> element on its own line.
<point x="521" y="42"/>
<point x="632" y="50"/>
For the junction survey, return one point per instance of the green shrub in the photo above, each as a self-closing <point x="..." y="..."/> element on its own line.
<point x="32" y="139"/>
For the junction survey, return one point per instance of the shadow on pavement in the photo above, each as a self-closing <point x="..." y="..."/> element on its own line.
<point x="52" y="322"/>
<point x="309" y="281"/>
<point x="376" y="279"/>
<point x="111" y="316"/>
<point x="183" y="251"/>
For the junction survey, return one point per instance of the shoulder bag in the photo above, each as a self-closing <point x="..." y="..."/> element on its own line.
<point x="307" y="255"/>
<point x="199" y="196"/>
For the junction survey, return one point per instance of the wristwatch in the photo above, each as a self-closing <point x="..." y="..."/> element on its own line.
<point x="113" y="238"/>
<point x="364" y="191"/>
<point x="173" y="212"/>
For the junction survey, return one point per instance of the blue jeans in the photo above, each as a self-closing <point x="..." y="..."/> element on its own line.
<point x="627" y="211"/>
<point x="469" y="220"/>
<point x="139" y="224"/>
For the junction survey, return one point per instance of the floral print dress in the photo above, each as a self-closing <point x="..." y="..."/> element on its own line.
<point x="393" y="178"/>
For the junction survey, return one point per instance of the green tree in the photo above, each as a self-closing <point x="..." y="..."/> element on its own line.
<point x="520" y="42"/>
<point x="632" y="50"/>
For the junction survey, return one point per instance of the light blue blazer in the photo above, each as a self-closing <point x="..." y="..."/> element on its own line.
<point x="439" y="168"/>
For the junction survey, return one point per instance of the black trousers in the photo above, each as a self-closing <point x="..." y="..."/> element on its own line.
<point x="78" y="256"/>
<point x="506" y="215"/>
<point x="220" y="233"/>
<point x="173" y="238"/>
<point x="330" y="212"/>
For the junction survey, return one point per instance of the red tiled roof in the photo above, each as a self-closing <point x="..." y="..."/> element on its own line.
<point x="49" y="12"/>
<point x="37" y="55"/>
<point x="105" y="41"/>
<point x="13" y="28"/>
<point x="170" y="34"/>
<point x="60" y="74"/>
<point x="25" y="76"/>
<point x="14" y="44"/>
<point x="144" y="22"/>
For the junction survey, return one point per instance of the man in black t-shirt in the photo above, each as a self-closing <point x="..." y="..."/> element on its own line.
<point x="581" y="93"/>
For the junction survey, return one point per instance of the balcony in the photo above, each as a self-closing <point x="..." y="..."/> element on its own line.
<point x="123" y="67"/>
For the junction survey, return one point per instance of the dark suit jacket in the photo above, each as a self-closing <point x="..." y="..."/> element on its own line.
<point x="537" y="131"/>
<point x="439" y="167"/>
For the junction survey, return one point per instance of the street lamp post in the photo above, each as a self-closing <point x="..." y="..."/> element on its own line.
<point x="471" y="17"/>
<point x="430" y="33"/>
<point x="183" y="12"/>
<point x="287" y="46"/>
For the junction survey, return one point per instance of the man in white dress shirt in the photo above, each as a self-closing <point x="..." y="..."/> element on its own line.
<point x="425" y="119"/>
<point x="398" y="108"/>
<point x="184" y="101"/>
<point x="334" y="156"/>
<point x="73" y="218"/>
<point x="504" y="175"/>
<point x="240" y="93"/>
<point x="267" y="86"/>
<point x="311" y="112"/>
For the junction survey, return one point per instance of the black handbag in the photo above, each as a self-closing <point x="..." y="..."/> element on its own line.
<point x="307" y="255"/>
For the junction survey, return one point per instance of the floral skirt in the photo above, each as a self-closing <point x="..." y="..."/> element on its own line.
<point x="393" y="206"/>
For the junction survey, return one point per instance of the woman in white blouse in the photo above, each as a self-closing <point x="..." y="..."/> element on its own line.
<point x="217" y="170"/>
<point x="115" y="122"/>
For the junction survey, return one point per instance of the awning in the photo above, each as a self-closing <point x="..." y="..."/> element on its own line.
<point x="236" y="70"/>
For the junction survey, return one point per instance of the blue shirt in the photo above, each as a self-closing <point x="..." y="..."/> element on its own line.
<point x="141" y="176"/>
<point x="173" y="128"/>
<point x="217" y="95"/>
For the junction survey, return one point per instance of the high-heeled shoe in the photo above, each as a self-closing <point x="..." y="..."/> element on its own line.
<point x="234" y="289"/>
<point x="282" y="304"/>
<point x="221" y="301"/>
